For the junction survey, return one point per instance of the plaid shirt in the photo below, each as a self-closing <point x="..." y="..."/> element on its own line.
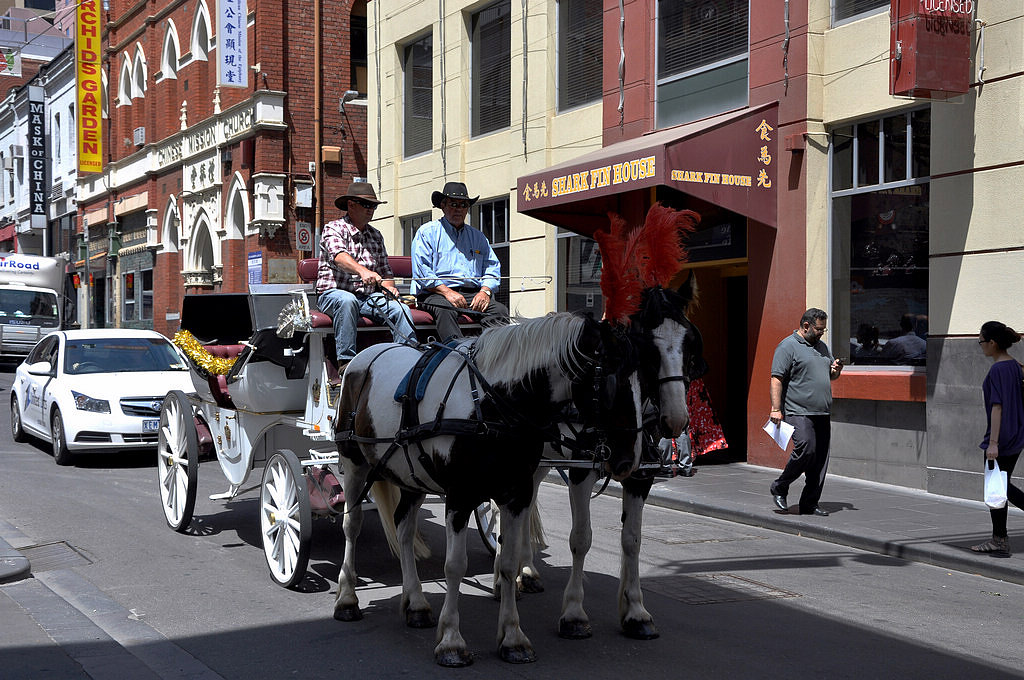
<point x="366" y="247"/>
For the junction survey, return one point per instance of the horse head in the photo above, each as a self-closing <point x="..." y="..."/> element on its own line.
<point x="676" y="354"/>
<point x="606" y="394"/>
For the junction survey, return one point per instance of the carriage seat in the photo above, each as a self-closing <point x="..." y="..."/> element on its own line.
<point x="219" y="383"/>
<point x="401" y="265"/>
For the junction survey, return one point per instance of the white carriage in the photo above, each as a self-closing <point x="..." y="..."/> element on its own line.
<point x="261" y="401"/>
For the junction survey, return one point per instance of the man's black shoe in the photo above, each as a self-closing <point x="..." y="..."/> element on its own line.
<point x="780" y="502"/>
<point x="816" y="511"/>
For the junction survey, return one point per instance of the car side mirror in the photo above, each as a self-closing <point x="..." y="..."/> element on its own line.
<point x="40" y="368"/>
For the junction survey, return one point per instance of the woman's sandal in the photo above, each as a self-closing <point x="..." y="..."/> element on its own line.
<point x="996" y="547"/>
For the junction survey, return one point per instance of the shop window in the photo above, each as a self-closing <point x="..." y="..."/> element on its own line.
<point x="491" y="217"/>
<point x="358" y="51"/>
<point x="491" y="75"/>
<point x="579" y="274"/>
<point x="147" y="294"/>
<point x="579" y="52"/>
<point x="410" y="224"/>
<point x="418" y="65"/>
<point x="702" y="55"/>
<point x="845" y="9"/>
<point x="880" y="220"/>
<point x="128" y="307"/>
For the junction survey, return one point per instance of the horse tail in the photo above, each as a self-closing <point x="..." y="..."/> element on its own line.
<point x="537" y="540"/>
<point x="386" y="495"/>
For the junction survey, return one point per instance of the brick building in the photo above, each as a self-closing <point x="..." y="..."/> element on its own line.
<point x="203" y="185"/>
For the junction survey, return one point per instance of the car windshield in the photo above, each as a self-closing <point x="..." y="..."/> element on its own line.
<point x="130" y="355"/>
<point x="34" y="307"/>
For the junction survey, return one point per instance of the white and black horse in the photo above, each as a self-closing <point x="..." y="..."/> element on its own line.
<point x="476" y="431"/>
<point x="670" y="355"/>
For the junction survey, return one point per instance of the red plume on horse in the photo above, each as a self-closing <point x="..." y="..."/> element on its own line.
<point x="641" y="257"/>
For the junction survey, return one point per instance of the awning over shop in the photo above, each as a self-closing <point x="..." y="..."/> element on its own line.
<point x="728" y="160"/>
<point x="7" y="233"/>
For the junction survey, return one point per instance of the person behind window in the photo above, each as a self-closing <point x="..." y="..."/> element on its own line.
<point x="454" y="268"/>
<point x="866" y="349"/>
<point x="908" y="347"/>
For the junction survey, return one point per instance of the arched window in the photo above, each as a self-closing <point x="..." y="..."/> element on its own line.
<point x="237" y="216"/>
<point x="139" y="73"/>
<point x="72" y="138"/>
<point x="171" y="226"/>
<point x="201" y="32"/>
<point x="124" y="86"/>
<point x="202" y="260"/>
<point x="169" y="57"/>
<point x="56" y="136"/>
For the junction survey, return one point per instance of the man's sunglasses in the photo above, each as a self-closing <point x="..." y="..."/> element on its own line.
<point x="458" y="205"/>
<point x="365" y="204"/>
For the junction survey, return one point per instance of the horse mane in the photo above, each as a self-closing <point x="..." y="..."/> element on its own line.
<point x="508" y="354"/>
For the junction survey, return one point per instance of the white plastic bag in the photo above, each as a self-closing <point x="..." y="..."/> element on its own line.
<point x="995" y="486"/>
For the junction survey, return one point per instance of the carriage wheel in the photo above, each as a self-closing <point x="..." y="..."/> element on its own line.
<point x="177" y="457"/>
<point x="487" y="524"/>
<point x="286" y="523"/>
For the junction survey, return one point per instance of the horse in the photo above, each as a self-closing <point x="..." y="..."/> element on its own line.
<point x="671" y="354"/>
<point x="476" y="432"/>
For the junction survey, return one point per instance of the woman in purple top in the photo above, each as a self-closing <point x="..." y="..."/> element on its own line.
<point x="1004" y="408"/>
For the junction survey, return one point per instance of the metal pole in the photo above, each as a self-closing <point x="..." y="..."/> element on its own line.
<point x="88" y="271"/>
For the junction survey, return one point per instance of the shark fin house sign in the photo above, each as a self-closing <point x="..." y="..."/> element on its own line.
<point x="728" y="160"/>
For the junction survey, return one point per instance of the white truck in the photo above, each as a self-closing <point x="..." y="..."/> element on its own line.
<point x="31" y="301"/>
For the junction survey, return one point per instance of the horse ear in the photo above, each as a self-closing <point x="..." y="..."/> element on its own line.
<point x="688" y="291"/>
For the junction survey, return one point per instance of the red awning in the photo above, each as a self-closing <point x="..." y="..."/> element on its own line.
<point x="729" y="160"/>
<point x="7" y="233"/>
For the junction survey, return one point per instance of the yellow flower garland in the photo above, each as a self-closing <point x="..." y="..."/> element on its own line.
<point x="201" y="358"/>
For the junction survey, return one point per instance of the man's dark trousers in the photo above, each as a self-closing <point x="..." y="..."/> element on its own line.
<point x="447" y="318"/>
<point x="811" y="438"/>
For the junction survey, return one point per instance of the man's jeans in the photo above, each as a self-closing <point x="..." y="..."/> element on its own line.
<point x="345" y="308"/>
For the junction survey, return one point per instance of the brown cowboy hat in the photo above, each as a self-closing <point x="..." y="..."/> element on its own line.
<point x="362" y="191"/>
<point x="455" y="190"/>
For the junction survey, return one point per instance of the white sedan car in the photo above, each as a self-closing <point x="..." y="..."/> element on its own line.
<point x="95" y="390"/>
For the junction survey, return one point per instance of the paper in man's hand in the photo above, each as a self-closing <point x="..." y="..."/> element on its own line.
<point x="781" y="433"/>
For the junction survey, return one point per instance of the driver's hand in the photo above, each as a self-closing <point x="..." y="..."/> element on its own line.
<point x="480" y="302"/>
<point x="455" y="298"/>
<point x="371" y="278"/>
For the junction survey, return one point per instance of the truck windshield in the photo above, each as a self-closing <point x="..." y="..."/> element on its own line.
<point x="29" y="307"/>
<point x="114" y="355"/>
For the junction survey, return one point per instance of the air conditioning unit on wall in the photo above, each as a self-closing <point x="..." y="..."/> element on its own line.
<point x="139" y="136"/>
<point x="17" y="151"/>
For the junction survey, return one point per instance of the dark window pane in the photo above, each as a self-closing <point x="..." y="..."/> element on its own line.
<point x="842" y="158"/>
<point x="419" y="96"/>
<point x="867" y="153"/>
<point x="921" y="136"/>
<point x="848" y="8"/>
<point x="358" y="47"/>
<point x="579" y="52"/>
<point x="695" y="33"/>
<point x="492" y="84"/>
<point x="895" y="128"/>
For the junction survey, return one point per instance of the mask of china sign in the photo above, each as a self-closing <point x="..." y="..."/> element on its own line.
<point x="930" y="48"/>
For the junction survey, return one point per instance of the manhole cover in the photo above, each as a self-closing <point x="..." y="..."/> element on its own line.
<point x="713" y="588"/>
<point x="694" y="532"/>
<point x="51" y="556"/>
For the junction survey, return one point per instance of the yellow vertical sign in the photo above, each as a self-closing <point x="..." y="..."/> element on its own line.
<point x="90" y="87"/>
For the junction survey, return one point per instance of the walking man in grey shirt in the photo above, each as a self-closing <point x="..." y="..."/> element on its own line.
<point x="801" y="394"/>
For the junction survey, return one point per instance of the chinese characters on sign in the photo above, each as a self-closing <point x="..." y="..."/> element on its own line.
<point x="89" y="109"/>
<point x="765" y="158"/>
<point x="595" y="178"/>
<point x="232" y="44"/>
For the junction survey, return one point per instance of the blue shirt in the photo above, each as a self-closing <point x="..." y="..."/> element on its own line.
<point x="442" y="254"/>
<point x="1003" y="386"/>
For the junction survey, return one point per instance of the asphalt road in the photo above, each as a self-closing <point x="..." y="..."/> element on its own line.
<point x="731" y="601"/>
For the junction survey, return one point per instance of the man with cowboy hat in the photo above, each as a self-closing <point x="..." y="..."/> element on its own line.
<point x="454" y="267"/>
<point x="353" y="265"/>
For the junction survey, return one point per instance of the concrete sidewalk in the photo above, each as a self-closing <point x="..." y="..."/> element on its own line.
<point x="891" y="520"/>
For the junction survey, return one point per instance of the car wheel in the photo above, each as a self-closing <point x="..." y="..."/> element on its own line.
<point x="17" y="431"/>
<point x="61" y="455"/>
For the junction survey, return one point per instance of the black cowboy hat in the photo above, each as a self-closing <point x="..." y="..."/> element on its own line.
<point x="357" y="191"/>
<point x="455" y="190"/>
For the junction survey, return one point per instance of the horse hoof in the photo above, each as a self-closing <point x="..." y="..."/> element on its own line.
<point x="574" y="630"/>
<point x="517" y="654"/>
<point x="640" y="630"/>
<point x="530" y="584"/>
<point x="348" y="613"/>
<point x="419" y="619"/>
<point x="453" y="658"/>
